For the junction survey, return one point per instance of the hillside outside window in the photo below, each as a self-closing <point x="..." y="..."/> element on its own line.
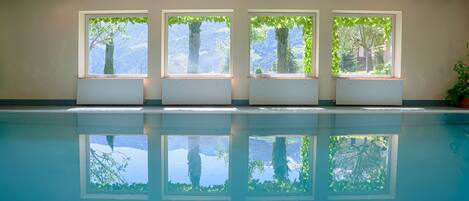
<point x="281" y="45"/>
<point x="197" y="45"/>
<point x="117" y="46"/>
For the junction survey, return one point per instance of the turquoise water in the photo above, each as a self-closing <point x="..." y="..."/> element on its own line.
<point x="175" y="156"/>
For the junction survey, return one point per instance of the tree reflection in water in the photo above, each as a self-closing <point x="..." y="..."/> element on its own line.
<point x="283" y="163"/>
<point x="358" y="164"/>
<point x="194" y="162"/>
<point x="213" y="146"/>
<point x="107" y="169"/>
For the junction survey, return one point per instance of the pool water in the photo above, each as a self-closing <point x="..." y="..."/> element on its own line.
<point x="234" y="156"/>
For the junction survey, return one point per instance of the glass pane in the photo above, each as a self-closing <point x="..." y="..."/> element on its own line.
<point x="362" y="46"/>
<point x="117" y="45"/>
<point x="118" y="164"/>
<point x="198" y="45"/>
<point x="280" y="165"/>
<point x="198" y="164"/>
<point x="359" y="164"/>
<point x="281" y="45"/>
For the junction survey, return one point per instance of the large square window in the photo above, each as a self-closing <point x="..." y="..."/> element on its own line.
<point x="116" y="45"/>
<point x="114" y="166"/>
<point x="280" y="164"/>
<point x="196" y="165"/>
<point x="362" y="45"/>
<point x="281" y="45"/>
<point x="197" y="45"/>
<point x="361" y="164"/>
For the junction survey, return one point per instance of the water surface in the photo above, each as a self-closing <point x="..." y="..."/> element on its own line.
<point x="224" y="156"/>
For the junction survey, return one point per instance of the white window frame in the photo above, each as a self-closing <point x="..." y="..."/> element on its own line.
<point x="281" y="12"/>
<point x="83" y="56"/>
<point x="164" y="46"/>
<point x="396" y="35"/>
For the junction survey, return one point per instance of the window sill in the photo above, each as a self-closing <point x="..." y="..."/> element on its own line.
<point x="114" y="78"/>
<point x="368" y="78"/>
<point x="283" y="78"/>
<point x="198" y="78"/>
<point x="270" y="77"/>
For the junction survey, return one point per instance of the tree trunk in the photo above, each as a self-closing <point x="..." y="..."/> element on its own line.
<point x="109" y="57"/>
<point x="194" y="162"/>
<point x="281" y="35"/>
<point x="279" y="159"/>
<point x="194" y="47"/>
<point x="367" y="50"/>
<point x="110" y="141"/>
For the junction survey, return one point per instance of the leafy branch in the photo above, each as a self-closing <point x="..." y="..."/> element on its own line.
<point x="366" y="26"/>
<point x="175" y="20"/>
<point x="103" y="29"/>
<point x="258" y="32"/>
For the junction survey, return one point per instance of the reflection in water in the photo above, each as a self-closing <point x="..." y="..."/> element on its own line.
<point x="116" y="164"/>
<point x="280" y="164"/>
<point x="197" y="164"/>
<point x="40" y="161"/>
<point x="359" y="164"/>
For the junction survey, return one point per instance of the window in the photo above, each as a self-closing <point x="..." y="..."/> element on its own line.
<point x="196" y="165"/>
<point x="362" y="167"/>
<point x="282" y="44"/>
<point x="115" y="166"/>
<point x="363" y="45"/>
<point x="197" y="45"/>
<point x="116" y="45"/>
<point x="280" y="164"/>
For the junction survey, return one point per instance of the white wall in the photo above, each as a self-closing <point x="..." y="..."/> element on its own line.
<point x="39" y="59"/>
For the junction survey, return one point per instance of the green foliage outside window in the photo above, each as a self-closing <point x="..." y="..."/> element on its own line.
<point x="103" y="29"/>
<point x="174" y="20"/>
<point x="365" y="23"/>
<point x="287" y="22"/>
<point x="194" y="24"/>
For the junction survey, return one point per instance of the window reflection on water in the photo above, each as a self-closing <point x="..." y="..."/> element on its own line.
<point x="197" y="164"/>
<point x="265" y="163"/>
<point x="117" y="164"/>
<point x="359" y="164"/>
<point x="280" y="164"/>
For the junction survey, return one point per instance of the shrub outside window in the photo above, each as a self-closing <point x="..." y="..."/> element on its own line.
<point x="116" y="45"/>
<point x="197" y="45"/>
<point x="282" y="44"/>
<point x="362" y="45"/>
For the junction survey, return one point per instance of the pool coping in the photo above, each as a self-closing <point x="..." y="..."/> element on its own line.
<point x="227" y="109"/>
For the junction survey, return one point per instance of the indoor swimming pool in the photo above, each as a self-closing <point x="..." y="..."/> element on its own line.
<point x="71" y="156"/>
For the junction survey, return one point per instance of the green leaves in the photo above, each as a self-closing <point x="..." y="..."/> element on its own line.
<point x="186" y="188"/>
<point x="260" y="23"/>
<point x="280" y="21"/>
<point x="174" y="20"/>
<point x="102" y="28"/>
<point x="461" y="88"/>
<point x="358" y="166"/>
<point x="118" y="20"/>
<point x="367" y="23"/>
